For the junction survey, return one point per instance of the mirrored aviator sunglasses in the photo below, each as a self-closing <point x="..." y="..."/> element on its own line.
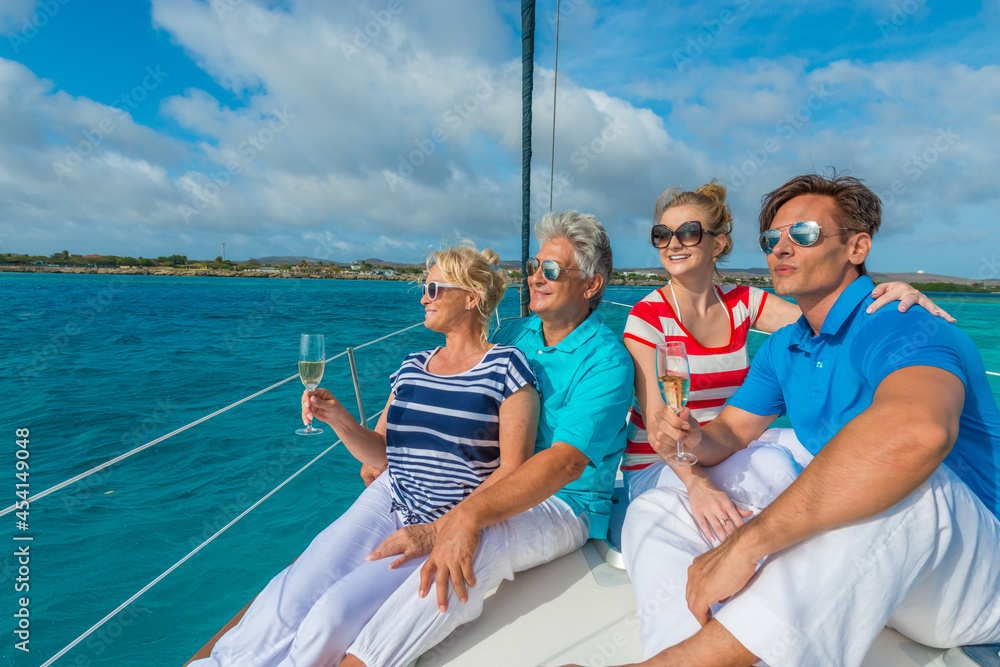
<point x="688" y="234"/>
<point x="550" y="270"/>
<point x="804" y="233"/>
<point x="433" y="288"/>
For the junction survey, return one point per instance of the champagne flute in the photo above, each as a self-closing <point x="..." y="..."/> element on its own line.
<point x="312" y="356"/>
<point x="673" y="374"/>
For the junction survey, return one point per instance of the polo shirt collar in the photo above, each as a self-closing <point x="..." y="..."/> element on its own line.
<point x="841" y="312"/>
<point x="580" y="335"/>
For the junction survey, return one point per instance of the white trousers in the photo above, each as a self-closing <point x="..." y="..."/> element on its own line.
<point x="752" y="477"/>
<point x="660" y="538"/>
<point x="407" y="626"/>
<point x="929" y="567"/>
<point x="311" y="612"/>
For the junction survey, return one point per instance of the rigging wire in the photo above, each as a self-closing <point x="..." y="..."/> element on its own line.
<point x="201" y="546"/>
<point x="73" y="480"/>
<point x="555" y="85"/>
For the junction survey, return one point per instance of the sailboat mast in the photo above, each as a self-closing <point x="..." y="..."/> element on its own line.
<point x="527" y="83"/>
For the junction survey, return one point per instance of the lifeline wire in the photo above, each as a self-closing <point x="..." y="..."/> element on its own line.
<point x="193" y="552"/>
<point x="72" y="480"/>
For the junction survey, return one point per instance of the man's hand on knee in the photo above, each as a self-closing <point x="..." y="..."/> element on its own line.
<point x="451" y="560"/>
<point x="716" y="576"/>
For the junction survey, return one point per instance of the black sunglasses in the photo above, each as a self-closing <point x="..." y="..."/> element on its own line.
<point x="550" y="270"/>
<point x="688" y="234"/>
<point x="804" y="233"/>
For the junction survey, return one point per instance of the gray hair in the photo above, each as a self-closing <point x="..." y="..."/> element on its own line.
<point x="591" y="245"/>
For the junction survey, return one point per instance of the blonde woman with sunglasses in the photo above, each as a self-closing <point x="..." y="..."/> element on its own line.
<point x="692" y="233"/>
<point x="459" y="418"/>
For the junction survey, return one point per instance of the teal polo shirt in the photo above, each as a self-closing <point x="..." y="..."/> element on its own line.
<point x="585" y="383"/>
<point x="824" y="381"/>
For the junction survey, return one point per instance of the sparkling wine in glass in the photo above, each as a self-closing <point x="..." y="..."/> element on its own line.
<point x="312" y="354"/>
<point x="673" y="374"/>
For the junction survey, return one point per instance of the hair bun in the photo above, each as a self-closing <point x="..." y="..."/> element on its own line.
<point x="491" y="257"/>
<point x="713" y="190"/>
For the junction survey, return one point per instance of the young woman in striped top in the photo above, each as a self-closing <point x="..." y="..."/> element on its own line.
<point x="692" y="232"/>
<point x="459" y="418"/>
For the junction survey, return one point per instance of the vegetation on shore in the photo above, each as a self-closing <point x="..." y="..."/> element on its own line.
<point x="181" y="265"/>
<point x="65" y="259"/>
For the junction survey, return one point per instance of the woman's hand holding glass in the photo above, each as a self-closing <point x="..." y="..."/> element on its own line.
<point x="670" y="428"/>
<point x="322" y="405"/>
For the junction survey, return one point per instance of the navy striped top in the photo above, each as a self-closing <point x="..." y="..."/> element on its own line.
<point x="443" y="431"/>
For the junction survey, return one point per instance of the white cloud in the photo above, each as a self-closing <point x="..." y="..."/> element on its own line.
<point x="363" y="130"/>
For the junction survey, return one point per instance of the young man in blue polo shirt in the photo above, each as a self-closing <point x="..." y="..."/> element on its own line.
<point x="895" y="519"/>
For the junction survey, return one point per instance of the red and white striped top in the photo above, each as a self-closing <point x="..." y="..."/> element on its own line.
<point x="716" y="372"/>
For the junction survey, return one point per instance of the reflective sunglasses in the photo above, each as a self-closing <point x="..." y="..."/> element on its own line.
<point x="804" y="233"/>
<point x="433" y="288"/>
<point x="550" y="270"/>
<point x="688" y="234"/>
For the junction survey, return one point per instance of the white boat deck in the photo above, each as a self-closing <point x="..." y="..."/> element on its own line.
<point x="579" y="609"/>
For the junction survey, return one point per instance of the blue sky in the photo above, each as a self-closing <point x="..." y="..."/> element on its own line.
<point x="389" y="127"/>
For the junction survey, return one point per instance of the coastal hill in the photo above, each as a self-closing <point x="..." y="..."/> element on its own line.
<point x="908" y="277"/>
<point x="372" y="268"/>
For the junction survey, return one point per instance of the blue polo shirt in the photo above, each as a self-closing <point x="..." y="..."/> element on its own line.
<point x="585" y="384"/>
<point x="822" y="382"/>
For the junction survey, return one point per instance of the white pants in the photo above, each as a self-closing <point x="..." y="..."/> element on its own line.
<point x="660" y="538"/>
<point x="407" y="626"/>
<point x="311" y="612"/>
<point x="751" y="477"/>
<point x="929" y="567"/>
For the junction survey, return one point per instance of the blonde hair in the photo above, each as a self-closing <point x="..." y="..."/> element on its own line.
<point x="476" y="272"/>
<point x="711" y="199"/>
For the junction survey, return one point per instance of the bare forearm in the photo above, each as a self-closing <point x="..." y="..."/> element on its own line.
<point x="718" y="442"/>
<point x="873" y="463"/>
<point x="534" y="481"/>
<point x="366" y="445"/>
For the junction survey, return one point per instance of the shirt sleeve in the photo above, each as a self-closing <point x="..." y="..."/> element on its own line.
<point x="761" y="392"/>
<point x="394" y="378"/>
<point x="756" y="301"/>
<point x="643" y="324"/>
<point x="914" y="338"/>
<point x="518" y="372"/>
<point x="594" y="415"/>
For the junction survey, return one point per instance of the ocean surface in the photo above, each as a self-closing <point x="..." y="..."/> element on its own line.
<point x="94" y="366"/>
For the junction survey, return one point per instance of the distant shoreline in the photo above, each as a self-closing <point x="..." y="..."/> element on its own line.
<point x="343" y="275"/>
<point x="216" y="273"/>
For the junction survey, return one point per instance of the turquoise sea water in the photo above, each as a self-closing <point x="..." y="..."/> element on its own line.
<point x="94" y="366"/>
